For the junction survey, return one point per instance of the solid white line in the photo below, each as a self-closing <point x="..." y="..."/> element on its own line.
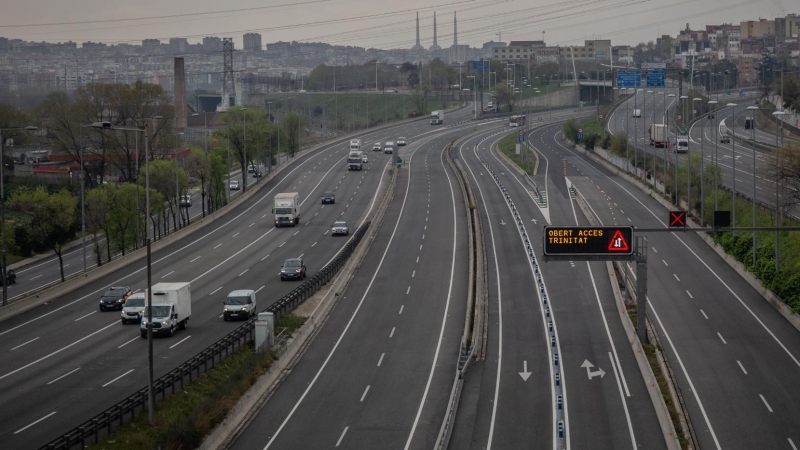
<point x="765" y="402"/>
<point x="164" y="276"/>
<point x="723" y="339"/>
<point x="195" y="259"/>
<point x="792" y="444"/>
<point x="215" y="291"/>
<point x="123" y="345"/>
<point x="115" y="379"/>
<point x="617" y="372"/>
<point x="245" y="271"/>
<point x="87" y="315"/>
<point x="62" y="376"/>
<point x="392" y="333"/>
<point x="381" y="359"/>
<point x="33" y="423"/>
<point x="689" y="294"/>
<point x="401" y="309"/>
<point x="364" y="394"/>
<point x="340" y="437"/>
<point x="179" y="342"/>
<point x="20" y="345"/>
<point x="408" y="290"/>
<point x="676" y="277"/>
<point x="741" y="366"/>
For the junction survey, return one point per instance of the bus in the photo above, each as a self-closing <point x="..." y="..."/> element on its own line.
<point x="516" y="121"/>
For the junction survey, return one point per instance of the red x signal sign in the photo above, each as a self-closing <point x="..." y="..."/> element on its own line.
<point x="677" y="219"/>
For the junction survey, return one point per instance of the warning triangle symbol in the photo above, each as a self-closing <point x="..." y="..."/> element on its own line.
<point x="618" y="243"/>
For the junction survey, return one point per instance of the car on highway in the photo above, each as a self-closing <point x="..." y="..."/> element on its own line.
<point x="114" y="297"/>
<point x="637" y="113"/>
<point x="725" y="139"/>
<point x="134" y="308"/>
<point x="364" y="159"/>
<point x="257" y="174"/>
<point x="391" y="91"/>
<point x="401" y="141"/>
<point x="293" y="269"/>
<point x="328" y="197"/>
<point x="186" y="200"/>
<point x="388" y="147"/>
<point x="376" y="147"/>
<point x="340" y="228"/>
<point x="12" y="277"/>
<point x="240" y="304"/>
<point x="235" y="185"/>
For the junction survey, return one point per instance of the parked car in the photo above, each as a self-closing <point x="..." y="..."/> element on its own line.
<point x="186" y="200"/>
<point x="114" y="297"/>
<point x="12" y="277"/>
<point x="725" y="139"/>
<point x="235" y="185"/>
<point x="293" y="269"/>
<point x="376" y="147"/>
<point x="240" y="304"/>
<point x="328" y="197"/>
<point x="340" y="228"/>
<point x="401" y="141"/>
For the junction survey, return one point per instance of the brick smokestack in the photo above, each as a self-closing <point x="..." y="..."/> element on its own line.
<point x="180" y="95"/>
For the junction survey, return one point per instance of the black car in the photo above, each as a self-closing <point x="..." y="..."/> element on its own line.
<point x="115" y="297"/>
<point x="328" y="197"/>
<point x="12" y="277"/>
<point x="293" y="269"/>
<point x="725" y="140"/>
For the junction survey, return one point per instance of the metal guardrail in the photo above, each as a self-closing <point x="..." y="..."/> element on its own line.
<point x="89" y="431"/>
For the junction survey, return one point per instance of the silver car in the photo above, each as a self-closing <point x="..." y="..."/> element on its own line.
<point x="133" y="309"/>
<point x="340" y="228"/>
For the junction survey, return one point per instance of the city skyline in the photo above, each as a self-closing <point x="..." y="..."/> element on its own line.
<point x="372" y="24"/>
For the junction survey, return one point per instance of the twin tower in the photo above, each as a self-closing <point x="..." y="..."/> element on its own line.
<point x="435" y="47"/>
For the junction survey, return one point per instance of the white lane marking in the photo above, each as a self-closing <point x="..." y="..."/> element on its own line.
<point x="251" y="225"/>
<point x="235" y="235"/>
<point x="301" y="255"/>
<point x="195" y="259"/>
<point x="420" y="247"/>
<point x="245" y="271"/>
<point x="326" y="231"/>
<point x="284" y="243"/>
<point x="87" y="315"/>
<point x="340" y="437"/>
<point x="259" y="289"/>
<point x="165" y="276"/>
<point x="792" y="444"/>
<point x="704" y="314"/>
<point x="33" y="423"/>
<point x="263" y="216"/>
<point x="423" y="237"/>
<point x="401" y="309"/>
<point x="417" y="258"/>
<point x="315" y="214"/>
<point x="408" y="290"/>
<point x="413" y="273"/>
<point x="723" y="339"/>
<point x="295" y="233"/>
<point x="654" y="249"/>
<point x="180" y="342"/>
<point x="115" y="379"/>
<point x="126" y="343"/>
<point x="37" y="276"/>
<point x="381" y="359"/>
<point x="215" y="291"/>
<point x="689" y="294"/>
<point x="765" y="402"/>
<point x="364" y="394"/>
<point x="26" y="343"/>
<point x="676" y="277"/>
<point x="617" y="372"/>
<point x="217" y="246"/>
<point x="665" y="262"/>
<point x="741" y="366"/>
<point x="66" y="374"/>
<point x="392" y="333"/>
<point x="265" y="257"/>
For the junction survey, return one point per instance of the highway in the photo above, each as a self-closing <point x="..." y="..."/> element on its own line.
<point x="734" y="356"/>
<point x="511" y="400"/>
<point x="67" y="361"/>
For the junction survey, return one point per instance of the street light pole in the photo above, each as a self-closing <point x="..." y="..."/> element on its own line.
<point x="733" y="162"/>
<point x="755" y="112"/>
<point x="778" y="115"/>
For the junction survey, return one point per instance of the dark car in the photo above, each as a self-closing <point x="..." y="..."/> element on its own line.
<point x="725" y="139"/>
<point x="257" y="174"/>
<point x="12" y="277"/>
<point x="328" y="197"/>
<point x="293" y="269"/>
<point x="115" y="297"/>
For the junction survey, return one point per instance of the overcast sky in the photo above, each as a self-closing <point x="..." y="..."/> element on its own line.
<point x="373" y="23"/>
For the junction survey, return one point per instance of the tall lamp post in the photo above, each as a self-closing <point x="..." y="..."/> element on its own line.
<point x="755" y="112"/>
<point x="666" y="146"/>
<point x="3" y="204"/>
<point x="269" y="117"/>
<point x="733" y="161"/>
<point x="713" y="115"/>
<point x="778" y="115"/>
<point x="689" y="162"/>
<point x="474" y="105"/>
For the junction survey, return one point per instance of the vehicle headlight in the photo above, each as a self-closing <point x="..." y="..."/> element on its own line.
<point x="298" y="270"/>
<point x="283" y="270"/>
<point x="165" y="322"/>
<point x="119" y="301"/>
<point x="101" y="300"/>
<point x="226" y="309"/>
<point x="244" y="308"/>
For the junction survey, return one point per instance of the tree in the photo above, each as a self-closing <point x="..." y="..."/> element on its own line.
<point x="198" y="165"/>
<point x="247" y="131"/>
<point x="502" y="94"/>
<point x="49" y="218"/>
<point x="293" y="123"/>
<point x="784" y="168"/>
<point x="547" y="70"/>
<point x="12" y="123"/>
<point x="123" y="215"/>
<point x="99" y="203"/>
<point x="162" y="180"/>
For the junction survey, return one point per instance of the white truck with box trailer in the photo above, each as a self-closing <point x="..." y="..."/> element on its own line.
<point x="287" y="209"/>
<point x="437" y="117"/>
<point x="355" y="144"/>
<point x="355" y="160"/>
<point x="172" y="308"/>
<point x="658" y="135"/>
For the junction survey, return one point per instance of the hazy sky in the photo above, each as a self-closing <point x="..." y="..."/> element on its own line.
<point x="373" y="23"/>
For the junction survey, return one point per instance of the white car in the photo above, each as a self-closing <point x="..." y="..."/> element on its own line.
<point x="340" y="228"/>
<point x="376" y="147"/>
<point x="401" y="141"/>
<point x="235" y="185"/>
<point x="364" y="159"/>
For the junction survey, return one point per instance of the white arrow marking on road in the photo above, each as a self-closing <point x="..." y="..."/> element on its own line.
<point x="502" y="222"/>
<point x="525" y="374"/>
<point x="534" y="221"/>
<point x="589" y="372"/>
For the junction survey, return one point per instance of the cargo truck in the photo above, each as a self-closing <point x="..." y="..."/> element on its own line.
<point x="354" y="160"/>
<point x="172" y="308"/>
<point x="287" y="209"/>
<point x="437" y="117"/>
<point x="658" y="135"/>
<point x="355" y="144"/>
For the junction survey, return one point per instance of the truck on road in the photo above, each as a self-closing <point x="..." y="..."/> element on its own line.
<point x="172" y="308"/>
<point x="355" y="144"/>
<point x="355" y="159"/>
<point x="658" y="135"/>
<point x="437" y="117"/>
<point x="287" y="209"/>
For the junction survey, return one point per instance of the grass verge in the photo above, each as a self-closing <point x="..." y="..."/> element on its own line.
<point x="508" y="145"/>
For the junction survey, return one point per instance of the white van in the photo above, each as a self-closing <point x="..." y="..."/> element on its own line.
<point x="682" y="145"/>
<point x="133" y="308"/>
<point x="240" y="304"/>
<point x="637" y="113"/>
<point x="388" y="147"/>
